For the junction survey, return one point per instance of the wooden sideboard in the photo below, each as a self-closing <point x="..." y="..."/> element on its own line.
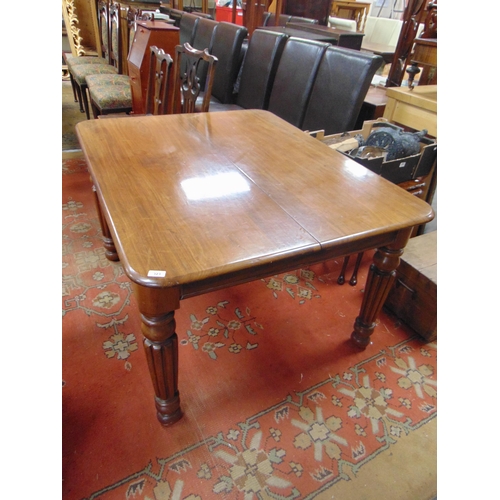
<point x="164" y="36"/>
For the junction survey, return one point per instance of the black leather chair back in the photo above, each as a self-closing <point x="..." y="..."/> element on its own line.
<point x="187" y="28"/>
<point x="297" y="19"/>
<point x="259" y="68"/>
<point x="295" y="78"/>
<point x="339" y="90"/>
<point x="282" y="20"/>
<point x="174" y="14"/>
<point x="203" y="39"/>
<point x="202" y="14"/>
<point x="226" y="46"/>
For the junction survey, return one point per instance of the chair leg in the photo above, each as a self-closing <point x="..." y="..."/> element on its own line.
<point x="85" y="100"/>
<point x="80" y="100"/>
<point x="73" y="86"/>
<point x="95" y="109"/>
<point x="354" y="277"/>
<point x="341" y="278"/>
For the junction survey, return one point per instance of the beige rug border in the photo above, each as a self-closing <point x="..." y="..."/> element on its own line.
<point x="406" y="471"/>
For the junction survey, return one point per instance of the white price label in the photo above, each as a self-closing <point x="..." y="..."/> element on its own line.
<point x="157" y="274"/>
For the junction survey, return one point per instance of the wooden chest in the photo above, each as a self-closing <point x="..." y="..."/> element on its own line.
<point x="413" y="297"/>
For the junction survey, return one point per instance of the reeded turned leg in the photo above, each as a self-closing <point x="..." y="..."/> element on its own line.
<point x="108" y="243"/>
<point x="157" y="306"/>
<point x="378" y="284"/>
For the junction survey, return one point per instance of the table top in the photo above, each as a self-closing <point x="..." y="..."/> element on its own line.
<point x="233" y="194"/>
<point x="311" y="32"/>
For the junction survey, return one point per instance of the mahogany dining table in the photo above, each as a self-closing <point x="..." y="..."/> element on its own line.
<point x="191" y="203"/>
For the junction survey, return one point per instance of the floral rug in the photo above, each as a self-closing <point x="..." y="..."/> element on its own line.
<point x="277" y="402"/>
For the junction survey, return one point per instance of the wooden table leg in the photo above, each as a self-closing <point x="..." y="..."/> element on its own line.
<point x="378" y="284"/>
<point x="107" y="239"/>
<point x="157" y="306"/>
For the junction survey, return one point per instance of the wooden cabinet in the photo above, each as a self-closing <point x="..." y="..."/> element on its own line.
<point x="164" y="36"/>
<point x="413" y="298"/>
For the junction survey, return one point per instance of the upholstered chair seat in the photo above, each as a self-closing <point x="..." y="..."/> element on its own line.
<point x="81" y="71"/>
<point x="73" y="61"/>
<point x="111" y="79"/>
<point x="111" y="97"/>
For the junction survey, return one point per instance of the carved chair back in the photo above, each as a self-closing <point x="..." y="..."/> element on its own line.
<point x="158" y="85"/>
<point x="103" y="28"/>
<point x="187" y="85"/>
<point x="115" y="44"/>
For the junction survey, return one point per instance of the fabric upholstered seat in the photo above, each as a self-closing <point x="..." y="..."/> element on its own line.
<point x="111" y="79"/>
<point x="73" y="61"/>
<point x="109" y="93"/>
<point x="113" y="98"/>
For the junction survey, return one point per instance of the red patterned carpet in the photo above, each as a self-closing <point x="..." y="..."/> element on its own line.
<point x="277" y="403"/>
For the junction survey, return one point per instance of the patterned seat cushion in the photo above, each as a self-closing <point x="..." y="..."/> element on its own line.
<point x="73" y="61"/>
<point x="81" y="71"/>
<point x="108" y="97"/>
<point x="93" y="80"/>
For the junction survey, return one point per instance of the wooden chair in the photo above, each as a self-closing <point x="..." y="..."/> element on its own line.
<point x="109" y="99"/>
<point x="80" y="67"/>
<point x="204" y="39"/>
<point x="102" y="59"/>
<point x="295" y="78"/>
<point x="187" y="85"/>
<point x="258" y="71"/>
<point x="112" y="70"/>
<point x="158" y="83"/>
<point x="226" y="47"/>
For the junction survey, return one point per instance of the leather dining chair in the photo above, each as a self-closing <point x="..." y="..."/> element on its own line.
<point x="294" y="79"/>
<point x="340" y="87"/>
<point x="187" y="84"/>
<point x="270" y="20"/>
<point x="203" y="39"/>
<point x="258" y="71"/>
<point x="187" y="28"/>
<point x="226" y="47"/>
